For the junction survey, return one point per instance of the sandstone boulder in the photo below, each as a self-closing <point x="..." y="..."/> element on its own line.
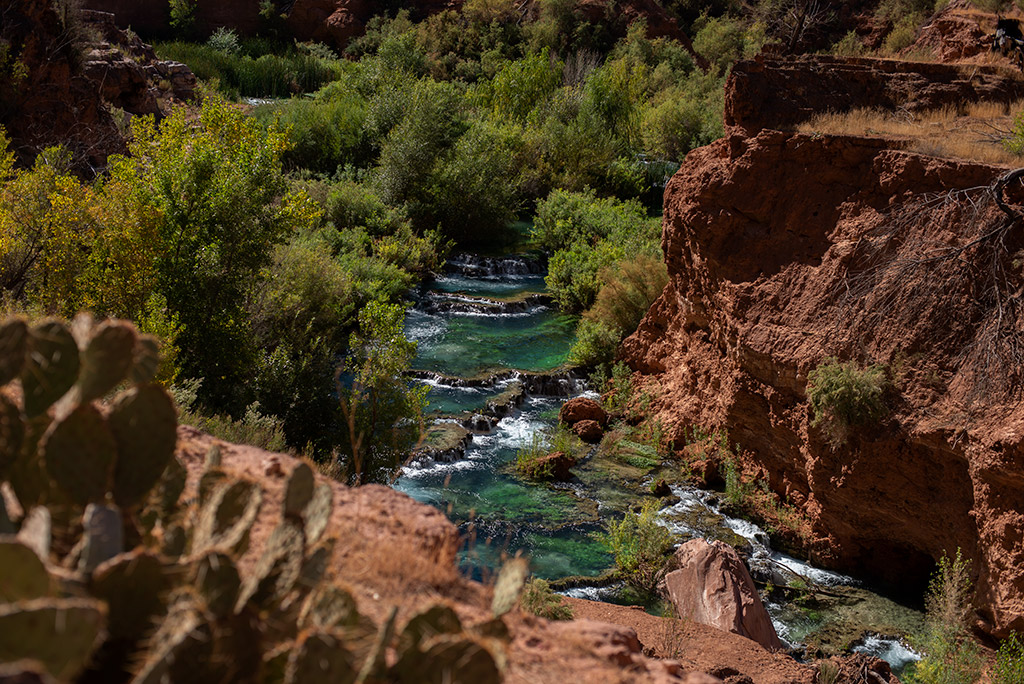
<point x="581" y="408"/>
<point x="589" y="431"/>
<point x="713" y="587"/>
<point x="554" y="466"/>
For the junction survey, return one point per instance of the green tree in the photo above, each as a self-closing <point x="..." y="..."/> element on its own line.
<point x="382" y="408"/>
<point x="218" y="185"/>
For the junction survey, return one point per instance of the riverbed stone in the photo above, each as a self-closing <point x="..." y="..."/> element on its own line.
<point x="589" y="431"/>
<point x="712" y="586"/>
<point x="582" y="408"/>
<point x="555" y="466"/>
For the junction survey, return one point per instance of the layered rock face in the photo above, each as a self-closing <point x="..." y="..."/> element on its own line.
<point x="784" y="249"/>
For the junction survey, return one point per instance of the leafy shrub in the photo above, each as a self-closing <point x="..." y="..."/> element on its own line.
<point x="384" y="412"/>
<point x="1014" y="142"/>
<point x="268" y="75"/>
<point x="628" y="290"/>
<point x="586" y="234"/>
<point x="1009" y="666"/>
<point x="224" y="39"/>
<point x="849" y="45"/>
<point x="183" y="16"/>
<point x="736" y="490"/>
<point x="325" y="132"/>
<point x="539" y="599"/>
<point x="903" y="34"/>
<point x="843" y="396"/>
<point x="639" y="545"/>
<point x="952" y="657"/>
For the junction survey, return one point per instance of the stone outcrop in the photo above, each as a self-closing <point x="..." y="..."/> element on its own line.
<point x="582" y="408"/>
<point x="554" y="466"/>
<point x="780" y="93"/>
<point x="590" y="431"/>
<point x="71" y="80"/>
<point x="712" y="586"/>
<point x="784" y="249"/>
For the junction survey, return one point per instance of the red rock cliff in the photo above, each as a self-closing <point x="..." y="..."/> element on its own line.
<point x="784" y="249"/>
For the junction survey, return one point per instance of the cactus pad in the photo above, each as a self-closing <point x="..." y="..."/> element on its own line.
<point x="227" y="516"/>
<point x="103" y="531"/>
<point x="509" y="586"/>
<point x="37" y="531"/>
<point x="175" y="540"/>
<point x="13" y="348"/>
<point x="51" y="368"/>
<point x="106" y="359"/>
<point x="79" y="452"/>
<point x="299" y="491"/>
<point x="432" y="622"/>
<point x="320" y="657"/>
<point x="144" y="422"/>
<point x="24" y="574"/>
<point x="447" y="658"/>
<point x="61" y="634"/>
<point x="277" y="570"/>
<point x="170" y="487"/>
<point x="12" y="434"/>
<point x="134" y="586"/>
<point x="218" y="581"/>
<point x="146" y="360"/>
<point x="213" y="458"/>
<point x="329" y="607"/>
<point x="318" y="512"/>
<point x="183" y="640"/>
<point x="314" y="568"/>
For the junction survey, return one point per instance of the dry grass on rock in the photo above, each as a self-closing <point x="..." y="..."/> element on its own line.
<point x="973" y="131"/>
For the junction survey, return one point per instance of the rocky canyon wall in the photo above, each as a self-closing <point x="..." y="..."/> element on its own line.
<point x="784" y="249"/>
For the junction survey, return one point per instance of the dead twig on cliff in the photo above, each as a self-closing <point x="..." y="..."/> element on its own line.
<point x="948" y="267"/>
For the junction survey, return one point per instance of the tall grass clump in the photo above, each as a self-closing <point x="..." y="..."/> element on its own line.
<point x="539" y="599"/>
<point x="243" y="75"/>
<point x="639" y="545"/>
<point x="1009" y="667"/>
<point x="952" y="656"/>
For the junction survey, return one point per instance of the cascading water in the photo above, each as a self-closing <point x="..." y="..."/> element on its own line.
<point x="482" y="328"/>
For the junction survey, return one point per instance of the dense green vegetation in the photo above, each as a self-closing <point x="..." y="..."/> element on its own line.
<point x="255" y="246"/>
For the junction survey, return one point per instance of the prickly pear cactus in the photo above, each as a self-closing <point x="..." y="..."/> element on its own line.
<point x="13" y="349"/>
<point x="144" y="423"/>
<point x="134" y="585"/>
<point x="12" y="434"/>
<point x="299" y="490"/>
<point x="106" y="359"/>
<point x="320" y="657"/>
<point x="51" y="368"/>
<point x="24" y="575"/>
<point x="509" y="586"/>
<point x="61" y="634"/>
<point x="79" y="452"/>
<point x="318" y="512"/>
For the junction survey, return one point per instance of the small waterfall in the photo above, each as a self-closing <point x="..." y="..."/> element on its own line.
<point x="475" y="266"/>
